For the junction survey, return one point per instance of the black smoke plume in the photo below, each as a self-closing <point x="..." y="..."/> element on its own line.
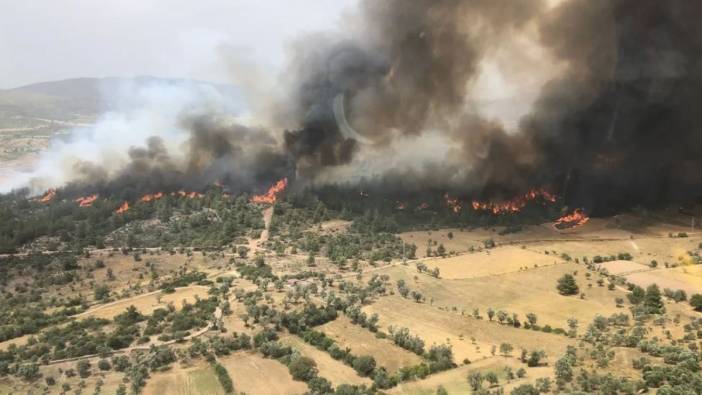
<point x="236" y="157"/>
<point x="618" y="127"/>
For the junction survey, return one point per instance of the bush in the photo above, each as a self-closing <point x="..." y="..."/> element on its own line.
<point x="103" y="364"/>
<point x="364" y="365"/>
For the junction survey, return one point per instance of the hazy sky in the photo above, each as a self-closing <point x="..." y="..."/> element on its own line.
<point x="42" y="40"/>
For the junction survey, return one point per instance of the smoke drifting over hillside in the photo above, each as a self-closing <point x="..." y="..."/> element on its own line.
<point x="396" y="97"/>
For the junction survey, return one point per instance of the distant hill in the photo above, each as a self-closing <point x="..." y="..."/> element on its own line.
<point x="77" y="98"/>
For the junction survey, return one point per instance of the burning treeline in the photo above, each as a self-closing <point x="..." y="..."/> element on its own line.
<point x="616" y="125"/>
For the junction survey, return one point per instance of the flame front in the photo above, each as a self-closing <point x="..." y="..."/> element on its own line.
<point x="151" y="196"/>
<point x="453" y="203"/>
<point x="189" y="195"/>
<point x="123" y="208"/>
<point x="48" y="196"/>
<point x="86" y="201"/>
<point x="271" y="196"/>
<point x="577" y="218"/>
<point x="400" y="205"/>
<point x="516" y="204"/>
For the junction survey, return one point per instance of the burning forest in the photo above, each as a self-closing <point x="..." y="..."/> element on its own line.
<point x="395" y="103"/>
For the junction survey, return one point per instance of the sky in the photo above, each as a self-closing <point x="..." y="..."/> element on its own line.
<point x="45" y="40"/>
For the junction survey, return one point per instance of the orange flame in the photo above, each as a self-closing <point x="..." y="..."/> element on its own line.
<point x="271" y="196"/>
<point x="453" y="203"/>
<point x="48" y="196"/>
<point x="86" y="201"/>
<point x="123" y="208"/>
<point x="151" y="196"/>
<point x="400" y="205"/>
<point x="189" y="195"/>
<point x="516" y="204"/>
<point x="423" y="206"/>
<point x="577" y="218"/>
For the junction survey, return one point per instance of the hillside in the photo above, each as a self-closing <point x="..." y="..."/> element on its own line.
<point x="74" y="99"/>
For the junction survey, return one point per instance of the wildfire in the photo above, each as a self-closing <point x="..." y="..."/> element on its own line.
<point x="400" y="205"/>
<point x="271" y="196"/>
<point x="423" y="206"/>
<point x="151" y="197"/>
<point x="48" y="196"/>
<point x="189" y="195"/>
<point x="577" y="218"/>
<point x="453" y="203"/>
<point x="123" y="208"/>
<point x="86" y="201"/>
<point x="516" y="204"/>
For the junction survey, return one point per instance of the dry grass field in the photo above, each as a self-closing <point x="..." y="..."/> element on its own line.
<point x="443" y="327"/>
<point x="147" y="303"/>
<point x="619" y="268"/>
<point x="329" y="368"/>
<point x="687" y="278"/>
<point x="520" y="292"/>
<point x="363" y="342"/>
<point x="490" y="262"/>
<point x="199" y="379"/>
<point x="254" y="374"/>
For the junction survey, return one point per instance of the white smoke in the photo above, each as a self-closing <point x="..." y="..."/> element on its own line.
<point x="142" y="109"/>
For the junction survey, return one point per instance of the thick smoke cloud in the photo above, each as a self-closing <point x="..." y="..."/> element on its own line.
<point x="406" y="68"/>
<point x="615" y="127"/>
<point x="239" y="158"/>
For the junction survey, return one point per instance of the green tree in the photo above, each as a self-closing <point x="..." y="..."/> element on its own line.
<point x="696" y="302"/>
<point x="475" y="380"/>
<point x="303" y="368"/>
<point x="83" y="368"/>
<point x="567" y="285"/>
<point x="637" y="295"/>
<point x="525" y="389"/>
<point x="506" y="349"/>
<point x="491" y="378"/>
<point x="531" y="318"/>
<point x="653" y="301"/>
<point x="564" y="370"/>
<point x="102" y="292"/>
